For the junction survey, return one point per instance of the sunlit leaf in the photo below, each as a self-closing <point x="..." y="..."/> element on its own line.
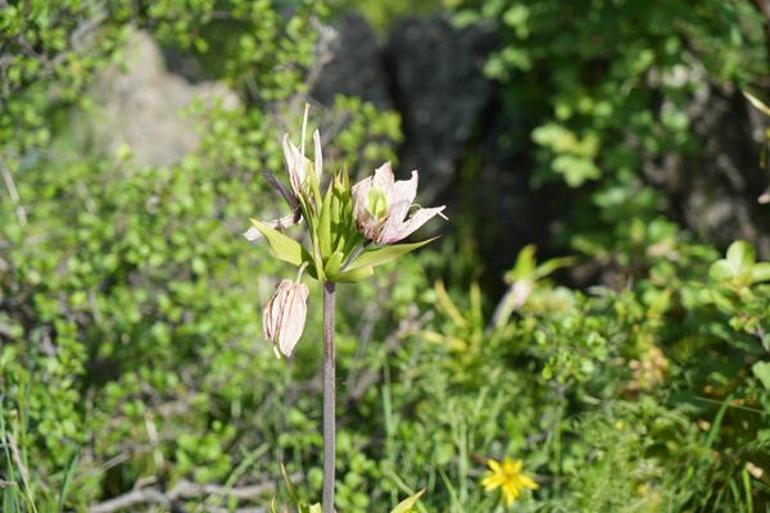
<point x="762" y="371"/>
<point x="375" y="257"/>
<point x="741" y="256"/>
<point x="408" y="504"/>
<point x="353" y="275"/>
<point x="284" y="247"/>
<point x="760" y="272"/>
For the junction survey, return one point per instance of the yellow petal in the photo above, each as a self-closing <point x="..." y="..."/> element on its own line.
<point x="495" y="466"/>
<point x="492" y="481"/>
<point x="528" y="482"/>
<point x="510" y="495"/>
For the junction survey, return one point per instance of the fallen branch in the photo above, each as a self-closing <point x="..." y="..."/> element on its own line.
<point x="184" y="490"/>
<point x="132" y="498"/>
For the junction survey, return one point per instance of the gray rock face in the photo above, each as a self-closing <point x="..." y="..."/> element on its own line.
<point x="723" y="183"/>
<point x="440" y="91"/>
<point x="140" y="105"/>
<point x="716" y="191"/>
<point x="429" y="71"/>
<point x="351" y="64"/>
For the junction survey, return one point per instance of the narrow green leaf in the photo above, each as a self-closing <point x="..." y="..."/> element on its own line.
<point x="67" y="481"/>
<point x="325" y="225"/>
<point x="316" y="270"/>
<point x="716" y="425"/>
<point x="318" y="262"/>
<point x="334" y="263"/>
<point x="284" y="247"/>
<point x="375" y="257"/>
<point x="552" y="265"/>
<point x="339" y="245"/>
<point x="353" y="275"/>
<point x="289" y="486"/>
<point x="409" y="503"/>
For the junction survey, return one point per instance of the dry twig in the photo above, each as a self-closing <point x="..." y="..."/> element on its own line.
<point x="184" y="490"/>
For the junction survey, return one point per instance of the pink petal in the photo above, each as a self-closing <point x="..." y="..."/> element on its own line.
<point x="272" y="313"/>
<point x="318" y="155"/>
<point x="393" y="222"/>
<point x="384" y="178"/>
<point x="296" y="165"/>
<point x="412" y="224"/>
<point x="360" y="192"/>
<point x="364" y="220"/>
<point x="401" y="199"/>
<point x="293" y="318"/>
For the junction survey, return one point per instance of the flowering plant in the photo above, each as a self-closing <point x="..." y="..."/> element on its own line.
<point x="351" y="230"/>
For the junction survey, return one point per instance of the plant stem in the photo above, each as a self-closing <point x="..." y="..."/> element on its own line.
<point x="329" y="396"/>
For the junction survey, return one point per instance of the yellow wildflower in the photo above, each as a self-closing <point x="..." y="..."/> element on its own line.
<point x="507" y="475"/>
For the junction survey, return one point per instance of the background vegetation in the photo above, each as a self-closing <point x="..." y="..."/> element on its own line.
<point x="632" y="376"/>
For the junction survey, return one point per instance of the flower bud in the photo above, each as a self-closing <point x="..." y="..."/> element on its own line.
<point x="283" y="319"/>
<point x="298" y="166"/>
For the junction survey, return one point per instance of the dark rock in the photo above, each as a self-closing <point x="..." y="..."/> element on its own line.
<point x="715" y="192"/>
<point x="440" y="90"/>
<point x="351" y="63"/>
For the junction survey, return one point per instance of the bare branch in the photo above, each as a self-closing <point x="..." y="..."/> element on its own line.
<point x="132" y="498"/>
<point x="13" y="192"/>
<point x="189" y="490"/>
<point x="184" y="490"/>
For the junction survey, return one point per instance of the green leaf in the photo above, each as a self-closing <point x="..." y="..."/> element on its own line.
<point x="408" y="504"/>
<point x="289" y="486"/>
<point x="375" y="257"/>
<point x="720" y="270"/>
<point x="576" y="170"/>
<point x="762" y="371"/>
<point x="284" y="247"/>
<point x="353" y="275"/>
<point x="741" y="256"/>
<point x="333" y="264"/>
<point x="325" y="224"/>
<point x="69" y="473"/>
<point x="760" y="272"/>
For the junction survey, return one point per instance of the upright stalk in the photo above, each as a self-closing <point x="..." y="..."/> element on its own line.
<point x="329" y="397"/>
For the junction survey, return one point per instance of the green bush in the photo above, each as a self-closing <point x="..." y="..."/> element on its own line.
<point x="603" y="87"/>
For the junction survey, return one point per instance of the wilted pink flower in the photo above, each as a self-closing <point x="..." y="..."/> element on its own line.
<point x="298" y="166"/>
<point x="283" y="319"/>
<point x="381" y="205"/>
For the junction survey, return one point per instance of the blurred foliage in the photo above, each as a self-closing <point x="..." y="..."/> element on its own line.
<point x="601" y="87"/>
<point x="383" y="14"/>
<point x="131" y="348"/>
